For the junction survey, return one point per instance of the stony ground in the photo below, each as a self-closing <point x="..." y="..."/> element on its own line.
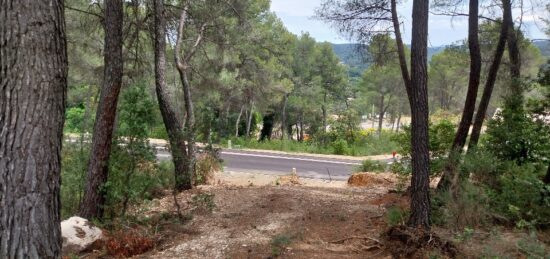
<point x="287" y="220"/>
<point x="263" y="216"/>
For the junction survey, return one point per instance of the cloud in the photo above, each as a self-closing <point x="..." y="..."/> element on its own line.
<point x="302" y="8"/>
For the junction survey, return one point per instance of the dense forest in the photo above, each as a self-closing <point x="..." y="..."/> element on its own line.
<point x="107" y="106"/>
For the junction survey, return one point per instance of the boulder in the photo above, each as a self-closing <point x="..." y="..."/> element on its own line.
<point x="78" y="234"/>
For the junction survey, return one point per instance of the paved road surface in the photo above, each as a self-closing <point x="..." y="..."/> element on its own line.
<point x="281" y="164"/>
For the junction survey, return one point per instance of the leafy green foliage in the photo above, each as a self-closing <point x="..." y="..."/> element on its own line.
<point x="516" y="136"/>
<point x="278" y="243"/>
<point x="396" y="216"/>
<point x="464" y="208"/>
<point x="441" y="135"/>
<point x="74" y="163"/>
<point x="370" y="166"/>
<point x="521" y="196"/>
<point x="74" y="118"/>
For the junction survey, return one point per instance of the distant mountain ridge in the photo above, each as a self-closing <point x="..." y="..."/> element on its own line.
<point x="356" y="58"/>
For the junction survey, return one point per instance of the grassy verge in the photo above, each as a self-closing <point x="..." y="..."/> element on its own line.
<point x="374" y="146"/>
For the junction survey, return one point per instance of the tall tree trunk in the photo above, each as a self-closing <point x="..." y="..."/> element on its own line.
<point x="513" y="50"/>
<point x="249" y="119"/>
<point x="381" y="114"/>
<point x="237" y="122"/>
<point x="491" y="77"/>
<point x="283" y="117"/>
<point x="471" y="97"/>
<point x="182" y="65"/>
<point x="33" y="83"/>
<point x="324" y="109"/>
<point x="301" y="136"/>
<point x="190" y="127"/>
<point x="420" y="182"/>
<point x="398" y="123"/>
<point x="475" y="73"/>
<point x="400" y="49"/>
<point x="94" y="199"/>
<point x="173" y="125"/>
<point x="547" y="177"/>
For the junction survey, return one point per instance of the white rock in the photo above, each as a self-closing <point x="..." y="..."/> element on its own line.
<point x="78" y="234"/>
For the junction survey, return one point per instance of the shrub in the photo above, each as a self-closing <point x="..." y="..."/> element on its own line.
<point x="340" y="147"/>
<point x="74" y="118"/>
<point x="514" y="135"/>
<point x="278" y="243"/>
<point x="521" y="196"/>
<point x="464" y="208"/>
<point x="441" y="135"/>
<point x="396" y="216"/>
<point x="207" y="164"/>
<point x="370" y="166"/>
<point x="204" y="202"/>
<point x="74" y="163"/>
<point x="482" y="166"/>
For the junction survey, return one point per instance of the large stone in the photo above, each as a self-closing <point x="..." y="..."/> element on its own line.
<point x="78" y="234"/>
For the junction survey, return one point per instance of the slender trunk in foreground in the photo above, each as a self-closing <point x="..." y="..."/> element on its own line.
<point x="420" y="182"/>
<point x="173" y="125"/>
<point x="449" y="173"/>
<point x="98" y="169"/>
<point x="491" y="79"/>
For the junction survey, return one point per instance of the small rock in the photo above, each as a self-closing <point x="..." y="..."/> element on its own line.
<point x="78" y="234"/>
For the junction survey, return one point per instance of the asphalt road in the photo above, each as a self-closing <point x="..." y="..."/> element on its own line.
<point x="282" y="164"/>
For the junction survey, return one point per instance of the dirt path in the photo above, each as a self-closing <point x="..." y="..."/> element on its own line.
<point x="289" y="221"/>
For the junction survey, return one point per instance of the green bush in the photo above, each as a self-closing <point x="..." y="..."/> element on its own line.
<point x="514" y="135"/>
<point x="340" y="147"/>
<point x="365" y="144"/>
<point x="441" y="136"/>
<point x="207" y="164"/>
<point x="482" y="166"/>
<point x="464" y="208"/>
<point x="396" y="216"/>
<point x="371" y="166"/>
<point x="74" y="118"/>
<point x="74" y="163"/>
<point x="521" y="196"/>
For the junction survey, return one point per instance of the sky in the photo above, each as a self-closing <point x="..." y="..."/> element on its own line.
<point x="297" y="15"/>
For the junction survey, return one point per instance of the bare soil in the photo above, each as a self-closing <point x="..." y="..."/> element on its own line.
<point x="265" y="216"/>
<point x="288" y="220"/>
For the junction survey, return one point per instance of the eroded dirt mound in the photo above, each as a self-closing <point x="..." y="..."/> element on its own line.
<point x="405" y="242"/>
<point x="367" y="179"/>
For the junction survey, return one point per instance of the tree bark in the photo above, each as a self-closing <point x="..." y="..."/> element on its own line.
<point x="547" y="177"/>
<point x="513" y="49"/>
<point x="33" y="85"/>
<point x="381" y="114"/>
<point x="400" y="49"/>
<point x="238" y="120"/>
<point x="324" y="109"/>
<point x="182" y="65"/>
<point x="249" y="119"/>
<point x="473" y="84"/>
<point x="420" y="188"/>
<point x="471" y="96"/>
<point x="173" y="125"/>
<point x="94" y="199"/>
<point x="491" y="77"/>
<point x="398" y="123"/>
<point x="283" y="117"/>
